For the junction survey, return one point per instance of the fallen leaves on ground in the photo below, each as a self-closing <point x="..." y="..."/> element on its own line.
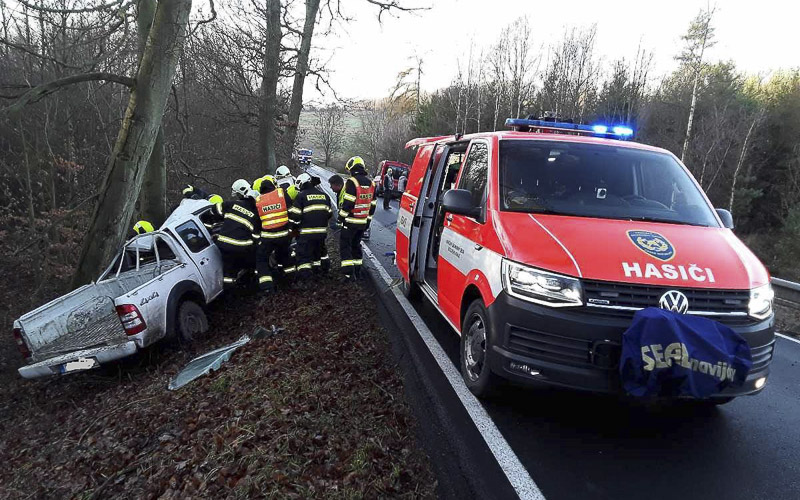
<point x="317" y="411"/>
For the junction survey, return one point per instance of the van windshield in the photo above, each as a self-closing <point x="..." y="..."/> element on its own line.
<point x="602" y="181"/>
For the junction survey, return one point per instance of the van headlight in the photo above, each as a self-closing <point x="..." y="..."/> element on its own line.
<point x="760" y="305"/>
<point x="540" y="287"/>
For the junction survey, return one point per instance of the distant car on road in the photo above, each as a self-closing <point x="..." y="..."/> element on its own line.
<point x="156" y="286"/>
<point x="304" y="156"/>
<point x="398" y="170"/>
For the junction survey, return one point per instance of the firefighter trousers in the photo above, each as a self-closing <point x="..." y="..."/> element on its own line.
<point x="350" y="249"/>
<point x="235" y="259"/>
<point x="266" y="247"/>
<point x="310" y="249"/>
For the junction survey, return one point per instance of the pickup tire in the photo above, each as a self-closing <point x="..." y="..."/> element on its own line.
<point x="475" y="347"/>
<point x="191" y="321"/>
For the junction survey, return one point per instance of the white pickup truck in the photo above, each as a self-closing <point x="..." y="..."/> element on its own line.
<point x="156" y="287"/>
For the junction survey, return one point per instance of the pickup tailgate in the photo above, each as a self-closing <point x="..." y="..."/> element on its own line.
<point x="83" y="319"/>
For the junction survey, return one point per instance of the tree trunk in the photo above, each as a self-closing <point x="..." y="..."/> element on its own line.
<point x="296" y="104"/>
<point x="153" y="196"/>
<point x="741" y="162"/>
<point x="125" y="172"/>
<point x="269" y="87"/>
<point x="692" y="107"/>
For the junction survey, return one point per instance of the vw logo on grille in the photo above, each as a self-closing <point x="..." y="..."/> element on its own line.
<point x="674" y="301"/>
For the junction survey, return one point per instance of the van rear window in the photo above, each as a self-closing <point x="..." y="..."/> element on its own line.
<point x="601" y="181"/>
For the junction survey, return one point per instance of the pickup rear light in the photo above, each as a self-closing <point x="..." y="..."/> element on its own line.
<point x="131" y="318"/>
<point x="23" y="348"/>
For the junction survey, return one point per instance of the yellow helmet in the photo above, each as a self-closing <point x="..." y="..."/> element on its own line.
<point x="142" y="227"/>
<point x="352" y="162"/>
<point x="258" y="182"/>
<point x="215" y="199"/>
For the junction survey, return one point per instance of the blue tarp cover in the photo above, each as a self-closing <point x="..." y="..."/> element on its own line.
<point x="666" y="354"/>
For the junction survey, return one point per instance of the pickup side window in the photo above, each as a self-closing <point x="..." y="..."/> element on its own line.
<point x="191" y="234"/>
<point x="475" y="173"/>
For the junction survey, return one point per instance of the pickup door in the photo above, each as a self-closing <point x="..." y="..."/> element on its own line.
<point x="204" y="254"/>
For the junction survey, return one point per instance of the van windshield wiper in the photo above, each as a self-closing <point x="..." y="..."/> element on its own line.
<point x="665" y="221"/>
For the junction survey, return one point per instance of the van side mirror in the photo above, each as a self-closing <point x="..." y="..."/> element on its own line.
<point x="726" y="218"/>
<point x="459" y="201"/>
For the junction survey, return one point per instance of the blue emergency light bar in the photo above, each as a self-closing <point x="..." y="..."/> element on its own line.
<point x="620" y="132"/>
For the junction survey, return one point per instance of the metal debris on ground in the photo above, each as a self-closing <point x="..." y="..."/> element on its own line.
<point x="262" y="333"/>
<point x="201" y="365"/>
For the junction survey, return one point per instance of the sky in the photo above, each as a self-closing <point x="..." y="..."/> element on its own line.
<point x="366" y="56"/>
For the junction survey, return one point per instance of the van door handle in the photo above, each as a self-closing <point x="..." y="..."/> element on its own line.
<point x="203" y="261"/>
<point x="449" y="217"/>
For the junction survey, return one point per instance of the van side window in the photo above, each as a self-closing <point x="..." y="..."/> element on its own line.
<point x="475" y="172"/>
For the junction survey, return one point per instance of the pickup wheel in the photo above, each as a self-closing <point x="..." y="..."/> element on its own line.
<point x="191" y="321"/>
<point x="476" y="335"/>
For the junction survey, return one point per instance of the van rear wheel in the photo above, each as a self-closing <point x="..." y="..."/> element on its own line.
<point x="191" y="321"/>
<point x="476" y="335"/>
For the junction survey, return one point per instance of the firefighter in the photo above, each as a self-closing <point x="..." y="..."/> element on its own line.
<point x="142" y="227"/>
<point x="388" y="184"/>
<point x="356" y="208"/>
<point x="309" y="214"/>
<point x="285" y="180"/>
<point x="273" y="209"/>
<point x="240" y="232"/>
<point x="194" y="193"/>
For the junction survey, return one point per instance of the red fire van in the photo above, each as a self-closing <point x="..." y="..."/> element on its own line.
<point x="539" y="244"/>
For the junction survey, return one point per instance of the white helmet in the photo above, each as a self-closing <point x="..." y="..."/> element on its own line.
<point x="302" y="179"/>
<point x="241" y="188"/>
<point x="282" y="171"/>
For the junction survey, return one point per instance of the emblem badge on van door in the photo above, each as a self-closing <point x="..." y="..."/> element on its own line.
<point x="674" y="301"/>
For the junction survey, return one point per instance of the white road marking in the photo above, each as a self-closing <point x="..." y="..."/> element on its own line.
<point x="787" y="337"/>
<point x="508" y="461"/>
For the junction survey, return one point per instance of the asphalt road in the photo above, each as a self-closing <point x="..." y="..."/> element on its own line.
<point x="576" y="445"/>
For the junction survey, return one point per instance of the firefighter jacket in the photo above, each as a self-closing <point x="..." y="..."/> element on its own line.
<point x="311" y="211"/>
<point x="241" y="225"/>
<point x="357" y="199"/>
<point x="273" y="210"/>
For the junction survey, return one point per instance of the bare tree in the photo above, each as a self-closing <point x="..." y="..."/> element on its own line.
<point x="153" y="196"/>
<point x="329" y="131"/>
<point x="301" y="70"/>
<point x="125" y="172"/>
<point x="269" y="86"/>
<point x="698" y="39"/>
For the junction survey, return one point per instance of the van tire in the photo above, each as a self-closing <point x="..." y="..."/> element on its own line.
<point x="475" y="346"/>
<point x="191" y="321"/>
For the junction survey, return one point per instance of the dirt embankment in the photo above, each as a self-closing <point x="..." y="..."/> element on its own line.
<point x="317" y="411"/>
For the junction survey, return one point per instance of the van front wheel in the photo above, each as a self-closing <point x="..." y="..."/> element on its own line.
<point x="476" y="335"/>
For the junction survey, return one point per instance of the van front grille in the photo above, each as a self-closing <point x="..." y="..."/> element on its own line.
<point x="623" y="300"/>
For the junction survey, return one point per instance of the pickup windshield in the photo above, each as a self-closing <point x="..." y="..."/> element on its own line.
<point x="601" y="181"/>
